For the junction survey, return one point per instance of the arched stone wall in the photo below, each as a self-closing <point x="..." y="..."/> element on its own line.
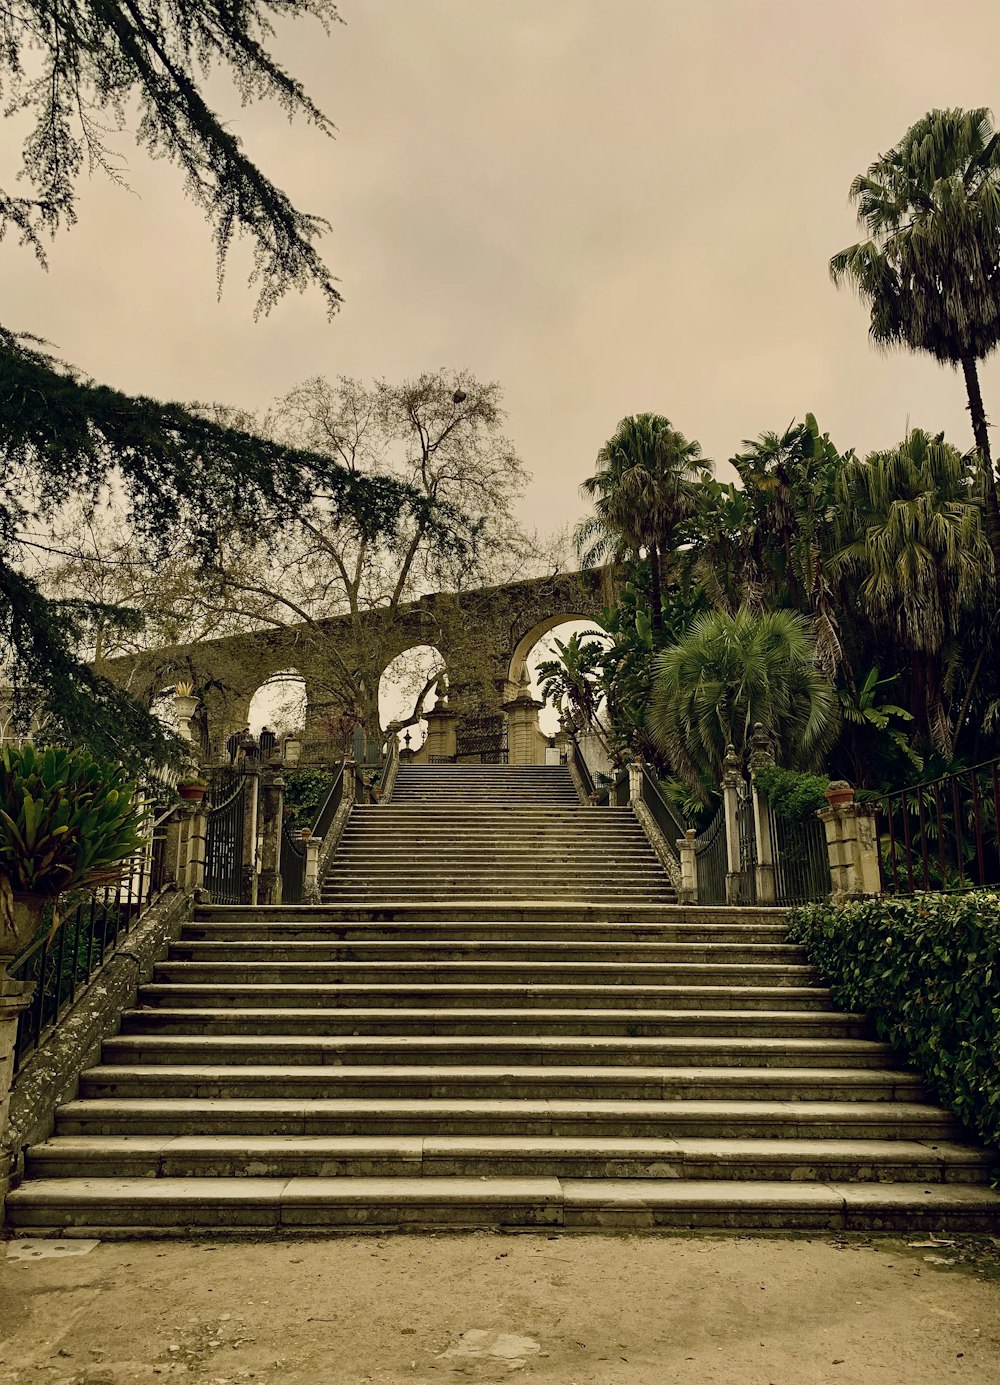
<point x="481" y="635"/>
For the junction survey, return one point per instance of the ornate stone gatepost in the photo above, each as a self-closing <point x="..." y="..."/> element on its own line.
<point x="762" y="758"/>
<point x="249" y="883"/>
<point x="732" y="776"/>
<point x="442" y="735"/>
<point x="687" y="890"/>
<point x="272" y="810"/>
<point x="851" y="842"/>
<point x="525" y="742"/>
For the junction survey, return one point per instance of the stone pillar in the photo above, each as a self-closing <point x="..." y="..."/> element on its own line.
<point x="635" y="782"/>
<point x="251" y="832"/>
<point x="442" y="736"/>
<point x="762" y="758"/>
<point x="687" y="892"/>
<point x="310" y="880"/>
<point x="272" y="807"/>
<point x="173" y="862"/>
<point x="731" y="777"/>
<point x="194" y="822"/>
<point x="851" y="842"/>
<point x="15" y="996"/>
<point x="525" y="742"/>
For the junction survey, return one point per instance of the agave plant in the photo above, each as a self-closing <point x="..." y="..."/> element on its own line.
<point x="67" y="822"/>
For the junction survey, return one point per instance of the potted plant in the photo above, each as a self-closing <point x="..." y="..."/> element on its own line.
<point x="839" y="792"/>
<point x="67" y="822"/>
<point x="192" y="788"/>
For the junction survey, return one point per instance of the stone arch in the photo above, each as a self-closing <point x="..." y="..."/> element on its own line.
<point x="528" y="641"/>
<point x="281" y="701"/>
<point x="408" y="674"/>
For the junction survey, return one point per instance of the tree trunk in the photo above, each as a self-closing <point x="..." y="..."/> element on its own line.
<point x="655" y="590"/>
<point x="982" y="436"/>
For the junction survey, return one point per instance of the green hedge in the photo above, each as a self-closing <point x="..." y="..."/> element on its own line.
<point x="927" y="971"/>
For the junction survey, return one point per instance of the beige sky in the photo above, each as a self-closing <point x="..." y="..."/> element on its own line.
<point x="606" y="207"/>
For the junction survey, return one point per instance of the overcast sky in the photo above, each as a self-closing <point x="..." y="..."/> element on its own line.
<point x="606" y="207"/>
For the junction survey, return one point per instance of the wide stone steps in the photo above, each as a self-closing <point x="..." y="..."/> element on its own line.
<point x="498" y="1017"/>
<point x="168" y="1017"/>
<point x="320" y="923"/>
<point x="488" y="1081"/>
<point x="537" y="1050"/>
<point x="161" y="1206"/>
<point x="580" y="1117"/>
<point x="238" y="995"/>
<point x="450" y="1156"/>
<point x="432" y="953"/>
<point x="550" y="972"/>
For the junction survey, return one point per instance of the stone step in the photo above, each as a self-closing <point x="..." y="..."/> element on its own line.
<point x="548" y="971"/>
<point x="467" y="896"/>
<point x="470" y="915"/>
<point x="664" y="997"/>
<point x="505" y="1156"/>
<point x="169" y="1017"/>
<point x="477" y="952"/>
<point x="637" y="1119"/>
<point x="452" y="1049"/>
<point x="742" y="937"/>
<point x="450" y="1082"/>
<point x="147" y="1206"/>
<point x="541" y="873"/>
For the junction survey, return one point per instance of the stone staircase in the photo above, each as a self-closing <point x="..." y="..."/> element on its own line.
<point x="497" y="1017"/>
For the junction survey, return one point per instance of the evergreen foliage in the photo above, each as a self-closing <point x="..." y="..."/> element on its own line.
<point x="927" y="971"/>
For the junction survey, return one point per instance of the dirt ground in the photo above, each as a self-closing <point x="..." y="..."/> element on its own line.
<point x="565" y="1309"/>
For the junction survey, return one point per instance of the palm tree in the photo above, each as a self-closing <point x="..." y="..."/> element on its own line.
<point x="731" y="671"/>
<point x="910" y="534"/>
<point x="570" y="681"/>
<point x="930" y="269"/>
<point x="643" y="490"/>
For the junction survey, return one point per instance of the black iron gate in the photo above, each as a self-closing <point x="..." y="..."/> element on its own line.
<point x="747" y="833"/>
<point x="482" y="740"/>
<point x="224" y="835"/>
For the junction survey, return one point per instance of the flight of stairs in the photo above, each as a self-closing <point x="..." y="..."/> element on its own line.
<point x="497" y="1017"/>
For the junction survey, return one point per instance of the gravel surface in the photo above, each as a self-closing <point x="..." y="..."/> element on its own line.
<point x="573" y="1309"/>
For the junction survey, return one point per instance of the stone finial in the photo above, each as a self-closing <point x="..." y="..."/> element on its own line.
<point x="761" y="754"/>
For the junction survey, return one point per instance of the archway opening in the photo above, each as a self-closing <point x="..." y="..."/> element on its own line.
<point x="279" y="705"/>
<point x="408" y="688"/>
<point x="541" y="645"/>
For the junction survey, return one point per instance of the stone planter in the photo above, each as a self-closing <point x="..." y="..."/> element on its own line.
<point x="17" y="931"/>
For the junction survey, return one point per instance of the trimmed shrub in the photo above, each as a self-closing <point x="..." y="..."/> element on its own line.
<point x="791" y="795"/>
<point x="926" y="969"/>
<point x="306" y="791"/>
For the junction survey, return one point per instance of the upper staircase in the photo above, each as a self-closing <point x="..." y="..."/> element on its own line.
<point x="457" y="833"/>
<point x="496" y="1017"/>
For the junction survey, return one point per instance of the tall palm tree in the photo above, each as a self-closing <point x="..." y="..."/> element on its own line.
<point x="731" y="671"/>
<point x="911" y="535"/>
<point x="930" y="269"/>
<point x="642" y="490"/>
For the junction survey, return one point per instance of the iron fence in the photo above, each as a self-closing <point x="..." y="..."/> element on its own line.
<point x="482" y="740"/>
<point x="746" y="828"/>
<point x="224" y="843"/>
<point x="801" y="861"/>
<point x="671" y="828"/>
<point x="293" y="849"/>
<point x="942" y="834"/>
<point x="712" y="860"/>
<point x="59" y="964"/>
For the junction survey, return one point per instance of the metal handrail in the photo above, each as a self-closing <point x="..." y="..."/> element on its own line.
<point x="60" y="964"/>
<point x="947" y="836"/>
<point x="663" y="815"/>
